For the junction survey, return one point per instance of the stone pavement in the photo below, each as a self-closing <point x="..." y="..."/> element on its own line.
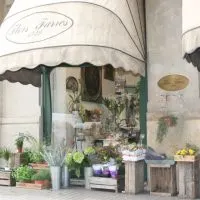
<point x="76" y="193"/>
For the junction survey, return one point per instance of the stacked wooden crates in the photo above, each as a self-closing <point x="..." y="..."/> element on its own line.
<point x="134" y="176"/>
<point x="162" y="177"/>
<point x="188" y="176"/>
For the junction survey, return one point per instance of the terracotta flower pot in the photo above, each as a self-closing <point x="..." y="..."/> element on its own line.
<point x="168" y="121"/>
<point x="19" y="150"/>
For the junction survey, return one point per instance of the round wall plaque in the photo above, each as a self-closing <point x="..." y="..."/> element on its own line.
<point x="173" y="82"/>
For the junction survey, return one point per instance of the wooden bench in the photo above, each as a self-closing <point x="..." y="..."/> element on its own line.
<point x="103" y="183"/>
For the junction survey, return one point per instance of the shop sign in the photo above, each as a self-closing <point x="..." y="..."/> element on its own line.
<point x="38" y="27"/>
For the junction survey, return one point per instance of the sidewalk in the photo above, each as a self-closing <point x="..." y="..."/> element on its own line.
<point x="13" y="193"/>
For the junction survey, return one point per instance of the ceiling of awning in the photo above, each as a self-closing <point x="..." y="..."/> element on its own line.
<point x="191" y="31"/>
<point x="51" y="32"/>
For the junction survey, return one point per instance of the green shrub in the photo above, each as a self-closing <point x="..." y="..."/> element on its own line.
<point x="42" y="174"/>
<point x="23" y="173"/>
<point x="36" y="157"/>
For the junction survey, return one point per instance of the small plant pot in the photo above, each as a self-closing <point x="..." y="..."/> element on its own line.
<point x="168" y="121"/>
<point x="19" y="150"/>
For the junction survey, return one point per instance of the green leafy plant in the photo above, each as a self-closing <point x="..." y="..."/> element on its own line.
<point x="42" y="174"/>
<point x="19" y="141"/>
<point x="77" y="160"/>
<point x="23" y="173"/>
<point x="5" y="153"/>
<point x="163" y="125"/>
<point x="74" y="101"/>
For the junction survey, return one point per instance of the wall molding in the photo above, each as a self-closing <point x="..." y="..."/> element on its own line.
<point x="19" y="120"/>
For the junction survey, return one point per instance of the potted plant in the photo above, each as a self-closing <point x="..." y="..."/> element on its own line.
<point x="54" y="155"/>
<point x="74" y="161"/>
<point x="163" y="125"/>
<point x="42" y="177"/>
<point x="5" y="153"/>
<point x="74" y="101"/>
<point x="109" y="154"/>
<point x="23" y="174"/>
<point x="19" y="141"/>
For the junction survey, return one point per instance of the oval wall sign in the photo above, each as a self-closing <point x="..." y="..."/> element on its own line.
<point x="38" y="27"/>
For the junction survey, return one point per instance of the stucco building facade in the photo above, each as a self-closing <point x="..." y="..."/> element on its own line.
<point x="20" y="105"/>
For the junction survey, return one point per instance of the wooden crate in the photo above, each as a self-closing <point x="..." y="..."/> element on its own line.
<point x="134" y="176"/>
<point x="5" y="178"/>
<point x="162" y="178"/>
<point x="16" y="159"/>
<point x="188" y="179"/>
<point x="181" y="158"/>
<point x="32" y="185"/>
<point x="76" y="181"/>
<point x="38" y="166"/>
<point x="103" y="183"/>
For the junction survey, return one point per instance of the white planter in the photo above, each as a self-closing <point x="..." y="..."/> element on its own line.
<point x="88" y="172"/>
<point x="55" y="177"/>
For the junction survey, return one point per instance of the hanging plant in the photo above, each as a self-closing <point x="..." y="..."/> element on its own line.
<point x="163" y="125"/>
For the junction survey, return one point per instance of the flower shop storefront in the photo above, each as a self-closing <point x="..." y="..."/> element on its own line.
<point x="93" y="86"/>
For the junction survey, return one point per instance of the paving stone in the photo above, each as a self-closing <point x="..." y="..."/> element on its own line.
<point x="77" y="193"/>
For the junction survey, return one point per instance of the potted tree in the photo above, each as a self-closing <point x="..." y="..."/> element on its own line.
<point x="42" y="177"/>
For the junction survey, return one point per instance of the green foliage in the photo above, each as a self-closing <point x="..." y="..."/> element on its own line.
<point x="32" y="156"/>
<point x="23" y="173"/>
<point x="115" y="106"/>
<point x="74" y="99"/>
<point x="42" y="174"/>
<point x="77" y="160"/>
<point x="19" y="141"/>
<point x="163" y="125"/>
<point x="5" y="153"/>
<point x="105" y="153"/>
<point x="36" y="157"/>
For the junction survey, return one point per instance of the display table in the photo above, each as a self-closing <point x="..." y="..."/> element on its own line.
<point x="103" y="183"/>
<point x="162" y="177"/>
<point x="134" y="176"/>
<point x="188" y="176"/>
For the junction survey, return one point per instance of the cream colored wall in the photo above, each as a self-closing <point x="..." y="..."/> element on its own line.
<point x="165" y="57"/>
<point x="20" y="112"/>
<point x="19" y="105"/>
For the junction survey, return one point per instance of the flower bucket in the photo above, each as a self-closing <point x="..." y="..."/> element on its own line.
<point x="55" y="177"/>
<point x="88" y="172"/>
<point x="113" y="171"/>
<point x="65" y="177"/>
